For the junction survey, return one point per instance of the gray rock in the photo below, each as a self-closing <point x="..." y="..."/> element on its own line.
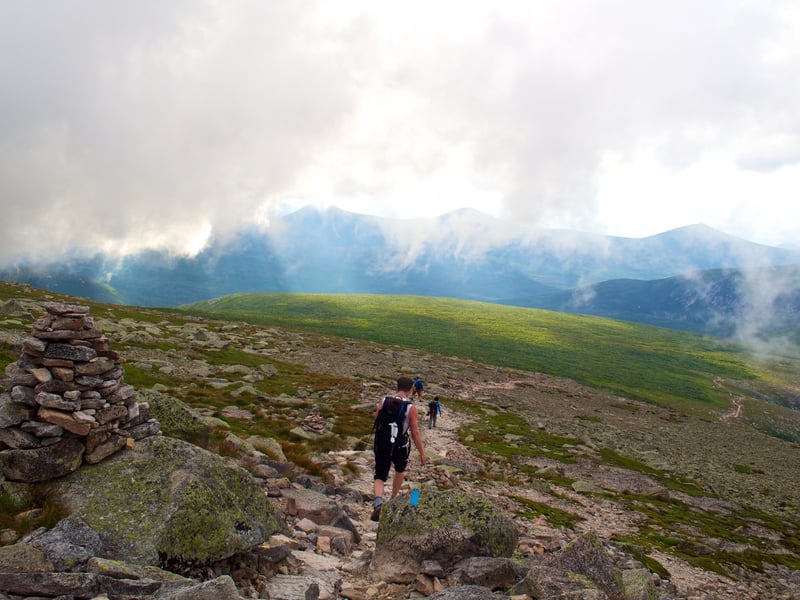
<point x="96" y="366"/>
<point x="40" y="429"/>
<point x="493" y="573"/>
<point x="546" y="583"/>
<point x="34" y="346"/>
<point x="24" y="558"/>
<point x="113" y="444"/>
<point x="69" y="352"/>
<point x="432" y="568"/>
<point x="11" y="413"/>
<point x="587" y="556"/>
<point x="319" y="508"/>
<point x="64" y="308"/>
<point x="309" y="585"/>
<point x="221" y="588"/>
<point x="19" y="439"/>
<point x="23" y="394"/>
<point x="116" y="412"/>
<point x="637" y="584"/>
<point x="166" y="499"/>
<point x="447" y="526"/>
<point x="586" y="487"/>
<point x="56" y="401"/>
<point x="80" y="585"/>
<point x="467" y="592"/>
<point x="144" y="430"/>
<point x="42" y="464"/>
<point x="583" y="570"/>
<point x="70" y="544"/>
<point x="176" y="418"/>
<point x="293" y="587"/>
<point x="268" y="446"/>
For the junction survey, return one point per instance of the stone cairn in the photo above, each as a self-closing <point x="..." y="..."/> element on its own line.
<point x="65" y="401"/>
<point x="314" y="422"/>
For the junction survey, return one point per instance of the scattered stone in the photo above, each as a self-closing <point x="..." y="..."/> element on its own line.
<point x="314" y="423"/>
<point x="221" y="588"/>
<point x="467" y="592"/>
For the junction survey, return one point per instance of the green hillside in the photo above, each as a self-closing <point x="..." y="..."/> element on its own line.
<point x="661" y="366"/>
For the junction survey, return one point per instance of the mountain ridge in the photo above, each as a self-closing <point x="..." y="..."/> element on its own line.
<point x="462" y="254"/>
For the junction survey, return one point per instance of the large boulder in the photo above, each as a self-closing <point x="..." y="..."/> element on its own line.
<point x="445" y="526"/>
<point x="584" y="569"/>
<point x="167" y="501"/>
<point x="41" y="464"/>
<point x="177" y="419"/>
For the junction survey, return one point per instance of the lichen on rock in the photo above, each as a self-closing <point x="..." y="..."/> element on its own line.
<point x="177" y="419"/>
<point x="167" y="500"/>
<point x="447" y="526"/>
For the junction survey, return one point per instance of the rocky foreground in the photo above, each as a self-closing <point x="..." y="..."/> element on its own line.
<point x="324" y="545"/>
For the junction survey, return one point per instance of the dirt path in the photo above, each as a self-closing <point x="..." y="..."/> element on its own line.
<point x="735" y="411"/>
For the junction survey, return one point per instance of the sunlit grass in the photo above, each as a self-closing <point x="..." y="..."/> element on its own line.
<point x="661" y="366"/>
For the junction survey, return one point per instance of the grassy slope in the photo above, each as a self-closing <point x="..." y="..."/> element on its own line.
<point x="657" y="365"/>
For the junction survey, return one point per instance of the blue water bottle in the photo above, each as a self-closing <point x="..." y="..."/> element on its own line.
<point x="414" y="498"/>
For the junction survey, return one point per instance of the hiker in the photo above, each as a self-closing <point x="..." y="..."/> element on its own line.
<point x="400" y="412"/>
<point x="434" y="410"/>
<point x="417" y="388"/>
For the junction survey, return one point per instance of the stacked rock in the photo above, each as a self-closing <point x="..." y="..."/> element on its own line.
<point x="66" y="402"/>
<point x="314" y="422"/>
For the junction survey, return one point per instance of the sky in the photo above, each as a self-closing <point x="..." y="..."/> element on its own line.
<point x="156" y="123"/>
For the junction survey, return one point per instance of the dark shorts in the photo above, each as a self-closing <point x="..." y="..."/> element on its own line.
<point x="397" y="459"/>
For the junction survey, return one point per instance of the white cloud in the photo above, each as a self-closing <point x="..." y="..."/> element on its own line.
<point x="125" y="125"/>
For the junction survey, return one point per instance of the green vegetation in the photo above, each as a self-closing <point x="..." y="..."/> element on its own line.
<point x="719" y="542"/>
<point x="22" y="513"/>
<point x="660" y="366"/>
<point x="670" y="482"/>
<point x="554" y="516"/>
<point x="508" y="436"/>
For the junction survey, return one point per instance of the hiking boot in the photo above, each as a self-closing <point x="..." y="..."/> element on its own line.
<point x="376" y="513"/>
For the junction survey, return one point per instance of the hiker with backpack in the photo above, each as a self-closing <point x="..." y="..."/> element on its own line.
<point x="434" y="410"/>
<point x="395" y="419"/>
<point x="418" y="386"/>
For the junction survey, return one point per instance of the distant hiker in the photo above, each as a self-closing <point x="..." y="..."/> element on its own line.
<point x="417" y="388"/>
<point x="434" y="410"/>
<point x="395" y="418"/>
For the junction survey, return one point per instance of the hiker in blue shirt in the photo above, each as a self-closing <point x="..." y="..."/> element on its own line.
<point x="417" y="388"/>
<point x="434" y="410"/>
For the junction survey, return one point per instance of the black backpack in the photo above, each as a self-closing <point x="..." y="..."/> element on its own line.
<point x="388" y="426"/>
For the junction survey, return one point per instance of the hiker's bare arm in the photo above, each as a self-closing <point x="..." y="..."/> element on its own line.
<point x="412" y="426"/>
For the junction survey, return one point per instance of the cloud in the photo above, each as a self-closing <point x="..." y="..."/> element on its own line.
<point x="124" y="127"/>
<point x="141" y="131"/>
